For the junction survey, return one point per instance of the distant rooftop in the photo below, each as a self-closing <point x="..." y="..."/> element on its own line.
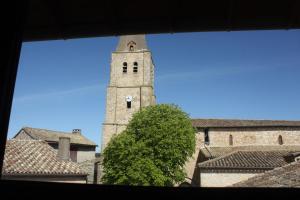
<point x="248" y="160"/>
<point x="285" y="176"/>
<point x="218" y="123"/>
<point x="210" y="152"/>
<point x="35" y="157"/>
<point x="53" y="136"/>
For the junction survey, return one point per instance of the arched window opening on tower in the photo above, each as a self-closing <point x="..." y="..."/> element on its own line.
<point x="280" y="140"/>
<point x="131" y="48"/>
<point x="124" y="67"/>
<point x="128" y="101"/>
<point x="131" y="45"/>
<point x="230" y="140"/>
<point x="128" y="104"/>
<point x="135" y="67"/>
<point x="206" y="136"/>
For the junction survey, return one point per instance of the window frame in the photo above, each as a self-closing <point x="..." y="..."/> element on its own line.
<point x="125" y="67"/>
<point x="128" y="104"/>
<point x="280" y="140"/>
<point x="230" y="140"/>
<point x="135" y="67"/>
<point x="206" y="136"/>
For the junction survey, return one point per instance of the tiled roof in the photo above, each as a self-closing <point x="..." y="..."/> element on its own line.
<point x="248" y="160"/>
<point x="215" y="123"/>
<point x="34" y="157"/>
<point x="53" y="136"/>
<point x="214" y="152"/>
<point x="286" y="176"/>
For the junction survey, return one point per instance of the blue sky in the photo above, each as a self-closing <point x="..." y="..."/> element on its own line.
<point x="61" y="85"/>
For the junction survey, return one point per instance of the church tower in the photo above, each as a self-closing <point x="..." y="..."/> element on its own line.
<point x="131" y="84"/>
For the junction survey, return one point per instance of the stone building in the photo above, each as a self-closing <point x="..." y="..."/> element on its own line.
<point x="218" y="138"/>
<point x="81" y="148"/>
<point x="223" y="132"/>
<point x="35" y="160"/>
<point x="130" y="86"/>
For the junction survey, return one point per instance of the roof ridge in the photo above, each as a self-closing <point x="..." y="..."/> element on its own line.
<point x="231" y="123"/>
<point x="240" y="153"/>
<point x="234" y="119"/>
<point x="49" y="130"/>
<point x="35" y="140"/>
<point x="39" y="132"/>
<point x="289" y="145"/>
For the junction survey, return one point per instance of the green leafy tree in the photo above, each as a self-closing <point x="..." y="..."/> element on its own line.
<point x="152" y="150"/>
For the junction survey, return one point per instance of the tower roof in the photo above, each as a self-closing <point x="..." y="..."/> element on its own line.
<point x="132" y="43"/>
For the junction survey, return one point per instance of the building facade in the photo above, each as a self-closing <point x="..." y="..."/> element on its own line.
<point x="220" y="137"/>
<point x="130" y="86"/>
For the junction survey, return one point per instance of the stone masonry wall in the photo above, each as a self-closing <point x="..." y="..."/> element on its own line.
<point x="110" y="108"/>
<point x="107" y="132"/>
<point x="99" y="169"/>
<point x="88" y="166"/>
<point x="139" y="85"/>
<point x="147" y="96"/>
<point x="85" y="154"/>
<point x="191" y="164"/>
<point x="223" y="179"/>
<point x="124" y="114"/>
<point x="129" y="79"/>
<point x="254" y="136"/>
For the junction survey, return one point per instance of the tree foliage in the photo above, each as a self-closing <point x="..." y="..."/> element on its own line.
<point x="152" y="150"/>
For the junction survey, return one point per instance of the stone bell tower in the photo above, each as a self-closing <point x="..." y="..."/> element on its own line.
<point x="131" y="84"/>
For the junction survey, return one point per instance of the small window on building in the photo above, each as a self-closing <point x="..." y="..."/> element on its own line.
<point x="124" y="67"/>
<point x="128" y="104"/>
<point x="135" y="67"/>
<point x="230" y="140"/>
<point x="280" y="140"/>
<point x="131" y="48"/>
<point x="73" y="153"/>
<point x="206" y="136"/>
<point x="131" y="45"/>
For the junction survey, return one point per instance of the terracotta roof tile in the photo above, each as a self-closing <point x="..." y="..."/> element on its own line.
<point x="285" y="176"/>
<point x="214" y="152"/>
<point x="248" y="160"/>
<point x="34" y="157"/>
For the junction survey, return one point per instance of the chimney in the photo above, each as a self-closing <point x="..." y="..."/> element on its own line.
<point x="76" y="131"/>
<point x="64" y="148"/>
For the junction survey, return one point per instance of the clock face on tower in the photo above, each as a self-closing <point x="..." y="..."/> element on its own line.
<point x="128" y="98"/>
